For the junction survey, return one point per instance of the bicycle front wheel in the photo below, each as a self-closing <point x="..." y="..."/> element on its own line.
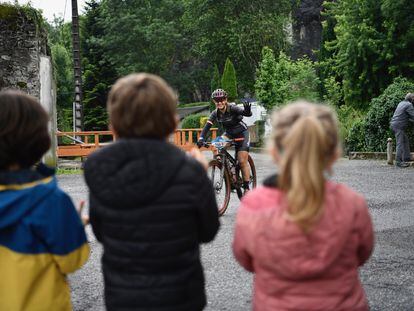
<point x="221" y="184"/>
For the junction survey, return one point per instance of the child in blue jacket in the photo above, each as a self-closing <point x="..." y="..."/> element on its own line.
<point x="42" y="238"/>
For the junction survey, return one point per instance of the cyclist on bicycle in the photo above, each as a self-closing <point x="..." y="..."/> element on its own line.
<point x="230" y="117"/>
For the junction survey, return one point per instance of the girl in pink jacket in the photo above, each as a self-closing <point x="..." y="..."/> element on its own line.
<point x="303" y="236"/>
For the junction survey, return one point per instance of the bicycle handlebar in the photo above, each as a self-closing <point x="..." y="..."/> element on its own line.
<point x="222" y="143"/>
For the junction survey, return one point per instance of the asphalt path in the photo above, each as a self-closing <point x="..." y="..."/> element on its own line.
<point x="388" y="277"/>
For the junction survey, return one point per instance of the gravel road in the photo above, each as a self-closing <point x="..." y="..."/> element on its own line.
<point x="388" y="277"/>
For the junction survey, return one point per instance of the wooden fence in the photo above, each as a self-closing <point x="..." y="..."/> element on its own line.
<point x="81" y="144"/>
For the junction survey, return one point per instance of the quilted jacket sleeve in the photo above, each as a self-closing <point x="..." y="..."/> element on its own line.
<point x="206" y="208"/>
<point x="241" y="236"/>
<point x="365" y="231"/>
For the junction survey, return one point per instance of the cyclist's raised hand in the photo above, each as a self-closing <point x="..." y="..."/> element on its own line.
<point x="247" y="107"/>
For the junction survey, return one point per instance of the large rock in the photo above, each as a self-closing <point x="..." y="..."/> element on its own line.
<point x="307" y="28"/>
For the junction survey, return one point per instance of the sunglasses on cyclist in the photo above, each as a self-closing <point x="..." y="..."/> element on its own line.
<point x="220" y="99"/>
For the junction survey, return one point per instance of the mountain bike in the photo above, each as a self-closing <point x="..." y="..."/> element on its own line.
<point x="225" y="173"/>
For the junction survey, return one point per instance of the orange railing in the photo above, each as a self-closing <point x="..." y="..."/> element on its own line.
<point x="81" y="144"/>
<point x="186" y="138"/>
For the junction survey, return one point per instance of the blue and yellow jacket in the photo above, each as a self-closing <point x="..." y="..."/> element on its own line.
<point x="41" y="240"/>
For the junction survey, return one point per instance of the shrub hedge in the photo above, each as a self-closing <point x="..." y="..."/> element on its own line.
<point x="377" y="121"/>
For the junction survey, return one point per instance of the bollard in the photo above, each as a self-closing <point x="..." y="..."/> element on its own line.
<point x="390" y="156"/>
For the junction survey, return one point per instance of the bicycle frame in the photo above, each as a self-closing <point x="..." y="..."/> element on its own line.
<point x="230" y="177"/>
<point x="224" y="157"/>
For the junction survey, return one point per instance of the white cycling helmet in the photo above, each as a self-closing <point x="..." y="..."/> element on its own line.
<point x="219" y="93"/>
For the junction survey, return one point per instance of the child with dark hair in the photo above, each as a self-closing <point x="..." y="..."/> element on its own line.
<point x="151" y="205"/>
<point x="303" y="236"/>
<point x="42" y="238"/>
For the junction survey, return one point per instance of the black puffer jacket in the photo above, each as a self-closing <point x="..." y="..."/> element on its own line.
<point x="151" y="206"/>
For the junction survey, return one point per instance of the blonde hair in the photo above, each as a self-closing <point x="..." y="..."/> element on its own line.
<point x="142" y="105"/>
<point x="305" y="136"/>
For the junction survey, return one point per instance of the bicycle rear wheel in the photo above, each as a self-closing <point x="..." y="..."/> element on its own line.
<point x="221" y="186"/>
<point x="253" y="177"/>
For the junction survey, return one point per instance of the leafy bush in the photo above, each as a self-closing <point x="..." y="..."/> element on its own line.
<point x="203" y="121"/>
<point x="192" y="121"/>
<point x="193" y="104"/>
<point x="303" y="80"/>
<point x="350" y="119"/>
<point x="355" y="140"/>
<point x="334" y="93"/>
<point x="284" y="80"/>
<point x="377" y="122"/>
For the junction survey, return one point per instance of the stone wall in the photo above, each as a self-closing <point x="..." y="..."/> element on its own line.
<point x="25" y="62"/>
<point x="22" y="42"/>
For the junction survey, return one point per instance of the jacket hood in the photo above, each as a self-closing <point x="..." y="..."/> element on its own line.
<point x="24" y="189"/>
<point x="299" y="255"/>
<point x="132" y="171"/>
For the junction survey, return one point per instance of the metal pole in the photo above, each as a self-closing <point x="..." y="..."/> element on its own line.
<point x="77" y="70"/>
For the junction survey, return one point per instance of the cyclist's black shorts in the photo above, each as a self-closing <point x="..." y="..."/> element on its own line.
<point x="242" y="145"/>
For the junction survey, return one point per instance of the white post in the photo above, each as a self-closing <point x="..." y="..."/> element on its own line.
<point x="390" y="156"/>
<point x="48" y="101"/>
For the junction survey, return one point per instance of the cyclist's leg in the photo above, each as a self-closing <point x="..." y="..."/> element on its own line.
<point x="242" y="150"/>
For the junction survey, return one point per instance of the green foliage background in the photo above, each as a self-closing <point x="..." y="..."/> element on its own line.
<point x="215" y="81"/>
<point x="283" y="80"/>
<point x="366" y="45"/>
<point x="369" y="47"/>
<point x="59" y="38"/>
<point x="265" y="84"/>
<point x="229" y="81"/>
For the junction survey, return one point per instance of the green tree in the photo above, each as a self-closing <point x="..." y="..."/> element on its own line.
<point x="62" y="63"/>
<point x="330" y="78"/>
<point x="399" y="44"/>
<point x="372" y="45"/>
<point x="238" y="29"/>
<point x="265" y="85"/>
<point x="304" y="81"/>
<point x="229" y="81"/>
<point x="283" y="80"/>
<point x="151" y="36"/>
<point x="295" y="80"/>
<point x="59" y="39"/>
<point x="215" y="81"/>
<point x="181" y="40"/>
<point x="333" y="92"/>
<point x="141" y="35"/>
<point x="98" y="73"/>
<point x="59" y="32"/>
